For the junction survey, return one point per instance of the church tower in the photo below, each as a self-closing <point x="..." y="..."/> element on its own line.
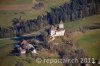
<point x="61" y="24"/>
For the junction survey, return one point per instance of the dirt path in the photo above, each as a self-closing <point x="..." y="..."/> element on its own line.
<point x="16" y="7"/>
<point x="53" y="38"/>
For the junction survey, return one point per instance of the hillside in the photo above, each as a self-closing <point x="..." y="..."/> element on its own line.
<point x="82" y="23"/>
<point x="24" y="20"/>
<point x="12" y="2"/>
<point x="13" y="9"/>
<point x="90" y="42"/>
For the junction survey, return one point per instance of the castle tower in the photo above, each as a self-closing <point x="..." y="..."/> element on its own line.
<point x="61" y="24"/>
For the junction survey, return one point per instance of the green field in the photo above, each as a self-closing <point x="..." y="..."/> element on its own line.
<point x="10" y="2"/>
<point x="11" y="60"/>
<point x="88" y="21"/>
<point x="7" y="15"/>
<point x="90" y="42"/>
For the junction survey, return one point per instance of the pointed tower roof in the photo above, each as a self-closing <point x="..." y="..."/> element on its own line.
<point x="61" y="22"/>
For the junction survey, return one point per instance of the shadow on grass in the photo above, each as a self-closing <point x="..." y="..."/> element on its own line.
<point x="95" y="26"/>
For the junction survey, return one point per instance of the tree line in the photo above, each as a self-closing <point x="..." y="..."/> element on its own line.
<point x="75" y="10"/>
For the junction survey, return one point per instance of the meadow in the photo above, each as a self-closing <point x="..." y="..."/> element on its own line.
<point x="85" y="22"/>
<point x="11" y="2"/>
<point x="27" y="12"/>
<point x="90" y="40"/>
<point x="7" y="59"/>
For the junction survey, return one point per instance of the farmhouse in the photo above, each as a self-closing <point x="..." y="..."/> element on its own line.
<point x="57" y="31"/>
<point x="25" y="47"/>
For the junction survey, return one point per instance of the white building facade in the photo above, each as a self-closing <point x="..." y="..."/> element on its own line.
<point x="60" y="31"/>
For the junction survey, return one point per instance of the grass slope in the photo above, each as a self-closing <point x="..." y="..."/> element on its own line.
<point x="90" y="42"/>
<point x="6" y="46"/>
<point x="88" y="21"/>
<point x="10" y="2"/>
<point x="7" y="15"/>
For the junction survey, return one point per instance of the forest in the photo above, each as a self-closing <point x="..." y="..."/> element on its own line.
<point x="68" y="12"/>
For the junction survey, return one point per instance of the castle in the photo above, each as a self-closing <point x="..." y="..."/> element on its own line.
<point x="57" y="31"/>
